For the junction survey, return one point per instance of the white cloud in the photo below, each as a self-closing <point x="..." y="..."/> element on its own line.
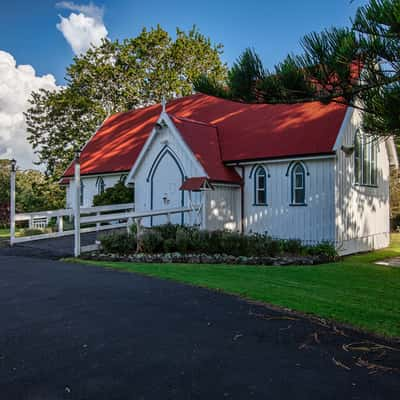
<point x="16" y="86"/>
<point x="84" y="29"/>
<point x="91" y="10"/>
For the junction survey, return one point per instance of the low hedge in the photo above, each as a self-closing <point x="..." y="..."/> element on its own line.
<point x="188" y="240"/>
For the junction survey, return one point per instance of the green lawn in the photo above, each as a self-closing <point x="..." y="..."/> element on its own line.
<point x="354" y="291"/>
<point x="4" y="233"/>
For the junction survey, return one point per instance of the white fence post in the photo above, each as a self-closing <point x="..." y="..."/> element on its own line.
<point x="77" y="208"/>
<point x="98" y="224"/>
<point x="60" y="223"/>
<point x="12" y="202"/>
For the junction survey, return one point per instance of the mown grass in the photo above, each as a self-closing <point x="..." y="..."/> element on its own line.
<point x="354" y="291"/>
<point x="4" y="233"/>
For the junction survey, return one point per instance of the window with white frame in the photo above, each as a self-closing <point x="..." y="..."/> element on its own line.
<point x="298" y="184"/>
<point x="100" y="185"/>
<point x="260" y="187"/>
<point x="365" y="160"/>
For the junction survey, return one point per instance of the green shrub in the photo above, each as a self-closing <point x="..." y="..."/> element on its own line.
<point x="214" y="242"/>
<point x="325" y="249"/>
<point x="183" y="240"/>
<point x="232" y="243"/>
<point x="201" y="240"/>
<point x="167" y="231"/>
<point x="170" y="246"/>
<point x="256" y="245"/>
<point x="170" y="238"/>
<point x="273" y="247"/>
<point x="151" y="241"/>
<point x="118" y="243"/>
<point x="292" y="246"/>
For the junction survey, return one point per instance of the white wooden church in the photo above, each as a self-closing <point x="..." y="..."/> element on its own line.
<point x="301" y="171"/>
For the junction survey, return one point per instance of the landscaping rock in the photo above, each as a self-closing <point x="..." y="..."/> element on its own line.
<point x="178" y="258"/>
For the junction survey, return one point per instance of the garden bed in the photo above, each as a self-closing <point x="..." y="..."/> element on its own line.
<point x="178" y="258"/>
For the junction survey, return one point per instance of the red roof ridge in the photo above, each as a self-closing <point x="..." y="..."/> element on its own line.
<point x="193" y="121"/>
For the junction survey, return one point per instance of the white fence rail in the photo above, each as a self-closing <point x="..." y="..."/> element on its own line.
<point x="60" y="214"/>
<point x="104" y="217"/>
<point x="112" y="220"/>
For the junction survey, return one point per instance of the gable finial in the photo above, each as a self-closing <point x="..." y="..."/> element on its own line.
<point x="163" y="103"/>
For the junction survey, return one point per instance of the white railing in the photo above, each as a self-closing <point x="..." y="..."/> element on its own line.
<point x="108" y="215"/>
<point x="115" y="220"/>
<point x="69" y="212"/>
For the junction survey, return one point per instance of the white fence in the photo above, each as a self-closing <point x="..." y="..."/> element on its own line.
<point x="94" y="215"/>
<point x="61" y="214"/>
<point x="104" y="217"/>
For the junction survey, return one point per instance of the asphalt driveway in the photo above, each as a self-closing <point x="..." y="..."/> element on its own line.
<point x="69" y="331"/>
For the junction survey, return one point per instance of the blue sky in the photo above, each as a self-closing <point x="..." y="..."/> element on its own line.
<point x="28" y="28"/>
<point x="38" y="39"/>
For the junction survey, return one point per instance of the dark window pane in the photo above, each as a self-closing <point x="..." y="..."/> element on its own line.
<point x="299" y="196"/>
<point x="373" y="163"/>
<point x="357" y="159"/>
<point x="299" y="180"/>
<point x="261" y="198"/>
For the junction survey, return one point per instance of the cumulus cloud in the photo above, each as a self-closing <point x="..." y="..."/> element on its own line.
<point x="82" y="28"/>
<point x="16" y="86"/>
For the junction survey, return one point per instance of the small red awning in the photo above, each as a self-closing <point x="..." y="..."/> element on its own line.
<point x="196" y="184"/>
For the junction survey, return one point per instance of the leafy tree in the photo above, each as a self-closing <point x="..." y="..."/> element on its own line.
<point x="4" y="182"/>
<point x="117" y="76"/>
<point x="34" y="192"/>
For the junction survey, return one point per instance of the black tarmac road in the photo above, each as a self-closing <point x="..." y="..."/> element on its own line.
<point x="70" y="331"/>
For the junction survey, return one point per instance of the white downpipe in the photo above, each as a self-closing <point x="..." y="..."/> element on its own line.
<point x="12" y="202"/>
<point x="77" y="207"/>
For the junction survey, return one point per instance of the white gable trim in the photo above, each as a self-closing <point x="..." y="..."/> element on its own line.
<point x="164" y="117"/>
<point x="346" y="121"/>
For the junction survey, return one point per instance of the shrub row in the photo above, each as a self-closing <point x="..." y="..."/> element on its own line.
<point x="174" y="238"/>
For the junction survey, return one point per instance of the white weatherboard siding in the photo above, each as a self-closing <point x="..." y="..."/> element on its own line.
<point x="312" y="223"/>
<point x="160" y="175"/>
<point x="362" y="213"/>
<point x="90" y="188"/>
<point x="222" y="208"/>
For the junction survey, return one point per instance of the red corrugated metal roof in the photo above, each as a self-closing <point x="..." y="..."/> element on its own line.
<point x="202" y="139"/>
<point x="217" y="130"/>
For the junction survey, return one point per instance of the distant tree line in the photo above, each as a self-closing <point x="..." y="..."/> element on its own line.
<point x="34" y="192"/>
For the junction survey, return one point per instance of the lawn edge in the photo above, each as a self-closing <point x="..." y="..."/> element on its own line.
<point x="314" y="318"/>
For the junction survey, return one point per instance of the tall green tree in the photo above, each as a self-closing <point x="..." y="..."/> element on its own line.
<point x="358" y="66"/>
<point x="34" y="192"/>
<point x="117" y="76"/>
